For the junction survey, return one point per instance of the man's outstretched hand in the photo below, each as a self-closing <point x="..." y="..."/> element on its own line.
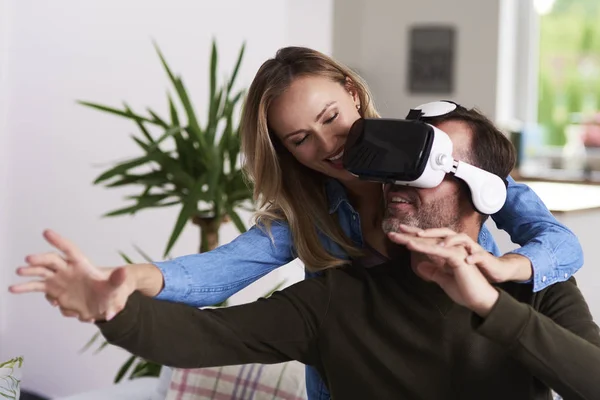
<point x="73" y="283"/>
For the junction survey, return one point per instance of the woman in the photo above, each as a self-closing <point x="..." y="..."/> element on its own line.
<point x="297" y="114"/>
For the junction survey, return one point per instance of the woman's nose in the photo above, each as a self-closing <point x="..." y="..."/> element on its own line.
<point x="328" y="145"/>
<point x="328" y="142"/>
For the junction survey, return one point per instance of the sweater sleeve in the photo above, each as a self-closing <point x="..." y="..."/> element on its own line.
<point x="559" y="342"/>
<point x="280" y="328"/>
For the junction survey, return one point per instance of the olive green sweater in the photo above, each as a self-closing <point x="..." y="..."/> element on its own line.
<point x="383" y="333"/>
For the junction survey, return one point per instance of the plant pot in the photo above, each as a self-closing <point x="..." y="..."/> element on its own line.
<point x="10" y="378"/>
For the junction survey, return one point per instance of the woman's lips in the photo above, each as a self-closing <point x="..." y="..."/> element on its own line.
<point x="337" y="164"/>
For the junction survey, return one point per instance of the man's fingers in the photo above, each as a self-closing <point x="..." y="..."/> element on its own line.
<point x="63" y="244"/>
<point x="410" y="229"/>
<point x="429" y="248"/>
<point x="41" y="272"/>
<point x="28" y="287"/>
<point x="404" y="238"/>
<point x="450" y="240"/>
<point x="69" y="313"/>
<point x="117" y="277"/>
<point x="49" y="260"/>
<point x="52" y="300"/>
<point x="399" y="238"/>
<point x="110" y="314"/>
<point x="462" y="239"/>
<point x="454" y="256"/>
<point x="436" y="232"/>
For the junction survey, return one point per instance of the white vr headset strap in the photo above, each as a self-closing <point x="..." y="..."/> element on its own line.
<point x="488" y="191"/>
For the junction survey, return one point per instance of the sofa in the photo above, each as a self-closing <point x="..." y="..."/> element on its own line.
<point x="283" y="381"/>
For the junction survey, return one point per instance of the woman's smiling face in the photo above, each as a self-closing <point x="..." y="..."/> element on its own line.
<point x="312" y="119"/>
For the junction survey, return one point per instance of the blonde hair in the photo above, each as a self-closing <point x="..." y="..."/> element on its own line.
<point x="284" y="188"/>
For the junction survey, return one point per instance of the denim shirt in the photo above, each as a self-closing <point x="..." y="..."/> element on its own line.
<point x="209" y="278"/>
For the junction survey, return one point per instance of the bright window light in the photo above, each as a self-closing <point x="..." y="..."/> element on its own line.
<point x="543" y="7"/>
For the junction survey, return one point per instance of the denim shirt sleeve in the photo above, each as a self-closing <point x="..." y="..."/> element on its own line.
<point x="210" y="278"/>
<point x="554" y="251"/>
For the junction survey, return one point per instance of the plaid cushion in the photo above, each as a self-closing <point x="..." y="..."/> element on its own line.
<point x="283" y="381"/>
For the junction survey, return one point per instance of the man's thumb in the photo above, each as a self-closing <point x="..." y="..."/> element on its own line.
<point x="117" y="277"/>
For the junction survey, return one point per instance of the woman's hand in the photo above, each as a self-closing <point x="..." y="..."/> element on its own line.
<point x="73" y="283"/>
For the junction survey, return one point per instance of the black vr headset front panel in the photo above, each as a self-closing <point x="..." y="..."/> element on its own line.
<point x="388" y="150"/>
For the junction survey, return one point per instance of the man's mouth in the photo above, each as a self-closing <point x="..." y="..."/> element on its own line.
<point x="400" y="200"/>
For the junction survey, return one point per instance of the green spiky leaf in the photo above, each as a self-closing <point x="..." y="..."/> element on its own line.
<point x="188" y="210"/>
<point x="237" y="221"/>
<point x="126" y="258"/>
<point x="115" y="111"/>
<point x="236" y="68"/>
<point x="123" y="370"/>
<point x="124" y="167"/>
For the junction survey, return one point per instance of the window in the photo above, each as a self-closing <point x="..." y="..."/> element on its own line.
<point x="569" y="71"/>
<point x="556" y="87"/>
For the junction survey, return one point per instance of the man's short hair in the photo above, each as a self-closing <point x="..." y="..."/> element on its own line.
<point x="490" y="148"/>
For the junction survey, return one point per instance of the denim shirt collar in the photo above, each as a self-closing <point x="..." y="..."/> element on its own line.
<point x="336" y="194"/>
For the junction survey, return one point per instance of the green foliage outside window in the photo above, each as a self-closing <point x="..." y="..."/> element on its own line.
<point x="569" y="78"/>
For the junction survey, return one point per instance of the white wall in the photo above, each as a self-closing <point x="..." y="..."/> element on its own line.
<point x="5" y="12"/>
<point x="310" y="23"/>
<point x="101" y="51"/>
<point x="372" y="37"/>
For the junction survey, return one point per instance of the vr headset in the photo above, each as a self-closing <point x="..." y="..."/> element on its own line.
<point x="413" y="153"/>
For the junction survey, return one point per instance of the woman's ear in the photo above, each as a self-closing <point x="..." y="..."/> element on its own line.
<point x="351" y="88"/>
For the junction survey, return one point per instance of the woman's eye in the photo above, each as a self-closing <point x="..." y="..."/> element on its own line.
<point x="299" y="142"/>
<point x="333" y="117"/>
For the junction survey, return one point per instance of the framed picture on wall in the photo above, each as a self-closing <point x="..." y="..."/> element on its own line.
<point x="431" y="59"/>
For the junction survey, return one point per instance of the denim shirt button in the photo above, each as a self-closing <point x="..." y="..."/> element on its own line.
<point x="544" y="278"/>
<point x="566" y="275"/>
<point x="354" y="217"/>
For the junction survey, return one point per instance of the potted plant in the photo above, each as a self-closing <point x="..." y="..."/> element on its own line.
<point x="187" y="163"/>
<point x="10" y="378"/>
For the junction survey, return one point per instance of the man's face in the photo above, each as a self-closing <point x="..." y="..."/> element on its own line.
<point x="442" y="206"/>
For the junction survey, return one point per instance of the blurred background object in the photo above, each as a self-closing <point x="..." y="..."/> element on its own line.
<point x="568" y="96"/>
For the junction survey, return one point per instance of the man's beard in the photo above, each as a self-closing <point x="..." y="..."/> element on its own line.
<point x="439" y="214"/>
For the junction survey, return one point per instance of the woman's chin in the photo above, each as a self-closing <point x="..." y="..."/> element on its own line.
<point x="341" y="174"/>
<point x="337" y="171"/>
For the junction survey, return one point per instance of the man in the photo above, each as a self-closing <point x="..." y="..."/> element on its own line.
<point x="423" y="324"/>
